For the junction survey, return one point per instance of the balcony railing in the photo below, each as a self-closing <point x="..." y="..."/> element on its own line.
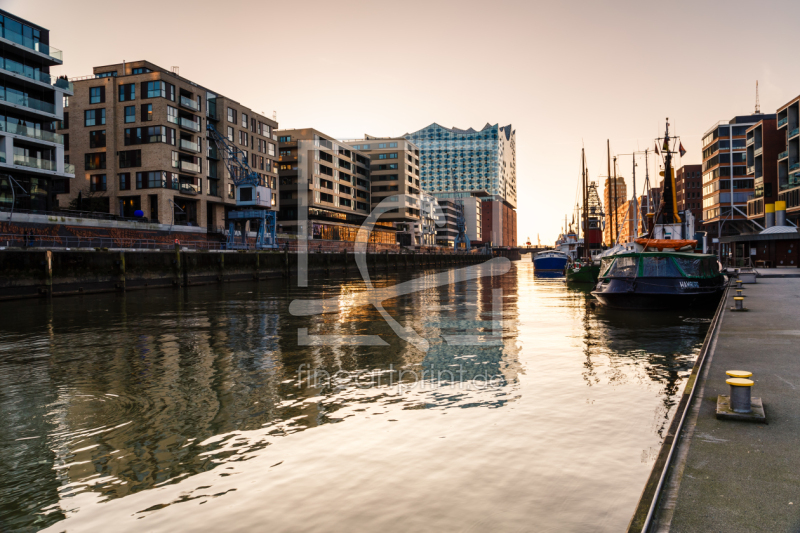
<point x="189" y="103"/>
<point x="69" y="169"/>
<point x="27" y="101"/>
<point x="28" y="42"/>
<point x="190" y="167"/>
<point x="750" y="140"/>
<point x="190" y="146"/>
<point x="189" y="124"/>
<point x="31" y="132"/>
<point x="33" y="162"/>
<point x="783" y="121"/>
<point x="783" y="155"/>
<point x="189" y="188"/>
<point x="23" y="70"/>
<point x="794" y="132"/>
<point x="751" y="170"/>
<point x="794" y="166"/>
<point x="758" y="151"/>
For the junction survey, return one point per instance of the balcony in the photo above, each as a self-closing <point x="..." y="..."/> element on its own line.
<point x="26" y="101"/>
<point x="32" y="162"/>
<point x="30" y="132"/>
<point x="783" y="155"/>
<point x="751" y="170"/>
<point x="794" y="132"/>
<point x="750" y="140"/>
<point x="190" y="146"/>
<point x="189" y="124"/>
<point x="15" y="67"/>
<point x="794" y="165"/>
<point x="755" y="208"/>
<point x="758" y="151"/>
<point x="69" y="169"/>
<point x="189" y="104"/>
<point x="189" y="188"/>
<point x="188" y="166"/>
<point x="782" y="122"/>
<point x="28" y="42"/>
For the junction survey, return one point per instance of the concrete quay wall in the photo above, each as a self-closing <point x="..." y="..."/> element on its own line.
<point x="46" y="273"/>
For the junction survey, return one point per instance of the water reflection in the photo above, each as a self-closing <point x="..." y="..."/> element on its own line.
<point x="106" y="396"/>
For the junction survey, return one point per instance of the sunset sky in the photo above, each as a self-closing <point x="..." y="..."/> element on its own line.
<point x="562" y="73"/>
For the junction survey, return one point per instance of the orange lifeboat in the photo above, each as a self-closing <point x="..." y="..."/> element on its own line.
<point x="660" y="245"/>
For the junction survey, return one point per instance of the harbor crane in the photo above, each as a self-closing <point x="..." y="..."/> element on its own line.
<point x="462" y="237"/>
<point x="251" y="194"/>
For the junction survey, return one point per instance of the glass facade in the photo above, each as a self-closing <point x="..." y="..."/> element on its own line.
<point x="470" y="161"/>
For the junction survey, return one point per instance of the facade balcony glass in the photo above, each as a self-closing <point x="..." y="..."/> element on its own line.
<point x="32" y="162"/>
<point x="22" y="99"/>
<point x="783" y="121"/>
<point x="783" y="155"/>
<point x="189" y="103"/>
<point x="30" y="42"/>
<point x="189" y="188"/>
<point x="189" y="166"/>
<point x="16" y="67"/>
<point x="794" y="166"/>
<point x="794" y="132"/>
<point x="189" y="124"/>
<point x="750" y="140"/>
<point x="758" y="151"/>
<point x="30" y="132"/>
<point x="190" y="146"/>
<point x="2" y="157"/>
<point x="69" y="169"/>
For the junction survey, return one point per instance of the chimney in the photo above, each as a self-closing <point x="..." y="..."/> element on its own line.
<point x="769" y="215"/>
<point x="780" y="213"/>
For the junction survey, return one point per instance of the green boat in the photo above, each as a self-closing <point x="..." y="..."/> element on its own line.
<point x="582" y="272"/>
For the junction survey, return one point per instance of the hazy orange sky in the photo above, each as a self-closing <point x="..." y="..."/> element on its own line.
<point x="562" y="73"/>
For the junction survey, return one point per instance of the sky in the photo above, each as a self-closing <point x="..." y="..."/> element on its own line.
<point x="563" y="74"/>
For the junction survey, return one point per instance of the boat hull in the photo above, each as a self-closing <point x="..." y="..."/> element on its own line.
<point x="584" y="274"/>
<point x="659" y="293"/>
<point x="550" y="263"/>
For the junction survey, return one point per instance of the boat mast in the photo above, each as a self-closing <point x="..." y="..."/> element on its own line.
<point x="668" y="199"/>
<point x="635" y="203"/>
<point x="616" y="235"/>
<point x="586" y="253"/>
<point x="608" y="175"/>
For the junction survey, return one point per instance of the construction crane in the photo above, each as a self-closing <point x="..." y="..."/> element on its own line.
<point x="461" y="227"/>
<point x="250" y="192"/>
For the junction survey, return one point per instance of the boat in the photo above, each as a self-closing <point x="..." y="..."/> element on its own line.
<point x="586" y="267"/>
<point x="550" y="261"/>
<point x="660" y="270"/>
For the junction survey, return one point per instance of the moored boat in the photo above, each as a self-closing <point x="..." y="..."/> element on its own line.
<point x="550" y="260"/>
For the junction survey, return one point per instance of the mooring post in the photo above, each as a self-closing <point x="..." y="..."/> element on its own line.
<point x="258" y="266"/>
<point x="286" y="262"/>
<point x="48" y="273"/>
<point x="177" y="264"/>
<point x="121" y="262"/>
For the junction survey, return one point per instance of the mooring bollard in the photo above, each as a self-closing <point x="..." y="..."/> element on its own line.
<point x="740" y="394"/>
<point x="739" y="284"/>
<point x="738" y="303"/>
<point x="739" y="293"/>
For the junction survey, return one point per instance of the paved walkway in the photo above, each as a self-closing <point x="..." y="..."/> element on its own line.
<point x="737" y="476"/>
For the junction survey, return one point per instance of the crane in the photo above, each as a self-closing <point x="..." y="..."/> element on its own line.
<point x="250" y="192"/>
<point x="461" y="227"/>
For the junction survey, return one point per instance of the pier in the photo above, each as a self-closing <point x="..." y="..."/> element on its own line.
<point x="727" y="475"/>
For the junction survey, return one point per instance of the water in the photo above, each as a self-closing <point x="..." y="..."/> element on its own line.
<point x="160" y="409"/>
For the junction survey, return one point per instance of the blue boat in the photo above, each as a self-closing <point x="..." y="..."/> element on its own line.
<point x="550" y="261"/>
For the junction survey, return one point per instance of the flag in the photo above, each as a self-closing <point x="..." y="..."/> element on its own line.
<point x="681" y="150"/>
<point x="666" y="145"/>
<point x="657" y="152"/>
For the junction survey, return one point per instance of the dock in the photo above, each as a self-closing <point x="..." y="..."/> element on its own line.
<point x="736" y="476"/>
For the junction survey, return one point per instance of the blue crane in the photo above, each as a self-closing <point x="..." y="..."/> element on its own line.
<point x="250" y="192"/>
<point x="461" y="227"/>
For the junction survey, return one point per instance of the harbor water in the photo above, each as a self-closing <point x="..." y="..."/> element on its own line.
<point x="216" y="408"/>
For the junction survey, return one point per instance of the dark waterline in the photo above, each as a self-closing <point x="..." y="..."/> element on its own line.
<point x="107" y="396"/>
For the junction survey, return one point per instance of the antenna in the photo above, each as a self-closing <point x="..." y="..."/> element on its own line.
<point x="758" y="105"/>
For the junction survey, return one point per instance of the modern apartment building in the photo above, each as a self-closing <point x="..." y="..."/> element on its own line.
<point x="137" y="135"/>
<point x="447" y="233"/>
<point x="31" y="104"/>
<point x="788" y="178"/>
<point x="394" y="173"/>
<point x="614" y="207"/>
<point x="726" y="184"/>
<point x="334" y="178"/>
<point x="765" y="146"/>
<point x="472" y="209"/>
<point x="689" y="191"/>
<point x="458" y="164"/>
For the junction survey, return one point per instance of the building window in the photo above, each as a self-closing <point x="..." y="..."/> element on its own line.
<point x="66" y="141"/>
<point x="97" y="95"/>
<point x="147" y="112"/>
<point x="271" y="149"/>
<point x="130" y="159"/>
<point x="130" y="114"/>
<point x="244" y="120"/>
<point x="94" y="161"/>
<point x="230" y="134"/>
<point x="64" y="125"/>
<point x="285" y="139"/>
<point x="127" y="92"/>
<point x="231" y="115"/>
<point x="97" y="183"/>
<point x="125" y="182"/>
<point x="154" y="89"/>
<point x="243" y="138"/>
<point x="140" y="70"/>
<point x="97" y="139"/>
<point x="94" y="117"/>
<point x="172" y="114"/>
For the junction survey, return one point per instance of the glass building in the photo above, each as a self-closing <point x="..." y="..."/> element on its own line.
<point x="455" y="162"/>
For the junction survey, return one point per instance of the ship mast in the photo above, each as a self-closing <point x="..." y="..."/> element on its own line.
<point x="616" y="235"/>
<point x="586" y="253"/>
<point x="635" y="203"/>
<point x="608" y="175"/>
<point x="669" y="202"/>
